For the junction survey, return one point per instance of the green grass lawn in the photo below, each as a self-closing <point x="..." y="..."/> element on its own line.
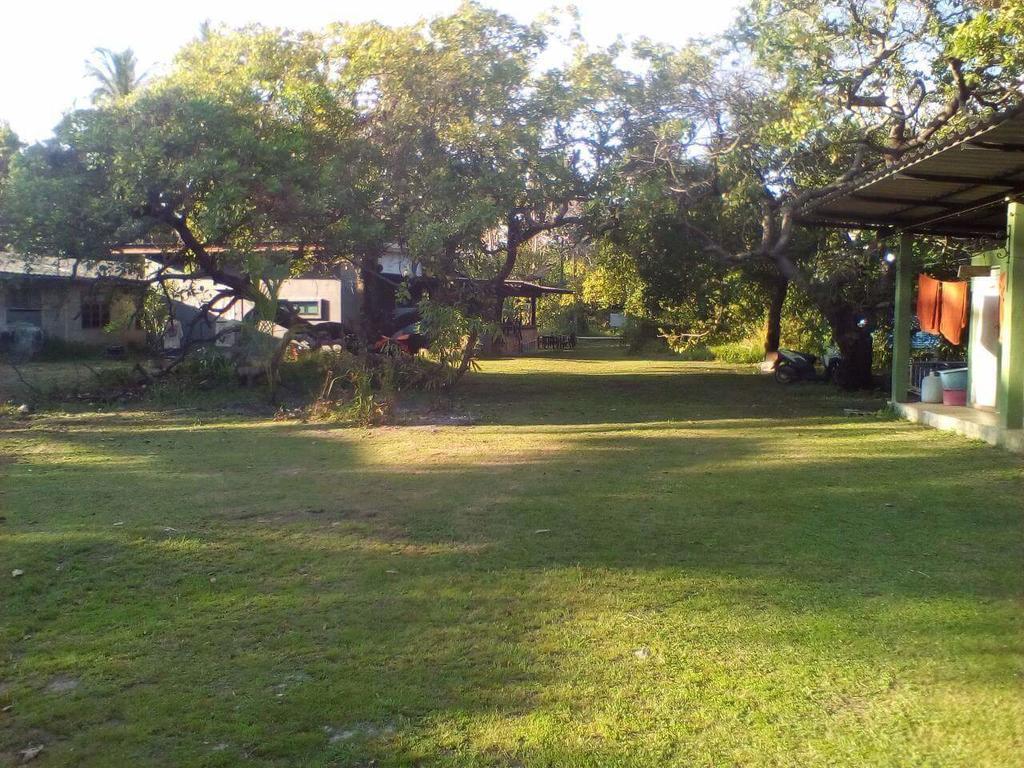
<point x="40" y="380"/>
<point x="620" y="562"/>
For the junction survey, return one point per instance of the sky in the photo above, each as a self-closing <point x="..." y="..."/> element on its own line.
<point x="44" y="45"/>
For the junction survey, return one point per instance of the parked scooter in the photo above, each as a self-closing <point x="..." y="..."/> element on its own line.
<point x="792" y="366"/>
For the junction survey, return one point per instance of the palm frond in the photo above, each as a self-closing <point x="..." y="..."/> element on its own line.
<point x="115" y="73"/>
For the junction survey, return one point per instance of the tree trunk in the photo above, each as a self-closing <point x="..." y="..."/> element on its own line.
<point x="777" y="290"/>
<point x="855" y="346"/>
<point x="377" y="300"/>
<point x="511" y="255"/>
<point x="853" y="340"/>
<point x="468" y="352"/>
<point x="274" y="364"/>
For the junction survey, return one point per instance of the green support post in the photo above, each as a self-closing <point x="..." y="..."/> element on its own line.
<point x="901" y="320"/>
<point x="1010" y="397"/>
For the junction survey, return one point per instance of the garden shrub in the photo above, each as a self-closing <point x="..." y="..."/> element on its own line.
<point x="364" y="389"/>
<point x="739" y="352"/>
<point x="202" y="370"/>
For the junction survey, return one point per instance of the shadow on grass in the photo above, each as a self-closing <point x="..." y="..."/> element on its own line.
<point x="543" y="391"/>
<point x="411" y="586"/>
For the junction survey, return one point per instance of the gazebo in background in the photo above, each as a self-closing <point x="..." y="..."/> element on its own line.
<point x="969" y="186"/>
<point x="519" y="333"/>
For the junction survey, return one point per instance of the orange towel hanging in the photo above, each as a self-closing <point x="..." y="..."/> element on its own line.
<point x="953" y="314"/>
<point x="929" y="303"/>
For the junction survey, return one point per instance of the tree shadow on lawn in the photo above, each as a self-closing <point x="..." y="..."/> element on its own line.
<point x="387" y="586"/>
<point x="581" y="398"/>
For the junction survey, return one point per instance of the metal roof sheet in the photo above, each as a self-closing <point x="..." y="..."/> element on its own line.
<point x="956" y="187"/>
<point x="14" y="265"/>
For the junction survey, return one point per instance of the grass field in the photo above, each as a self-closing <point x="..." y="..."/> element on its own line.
<point x="619" y="562"/>
<point x="34" y="381"/>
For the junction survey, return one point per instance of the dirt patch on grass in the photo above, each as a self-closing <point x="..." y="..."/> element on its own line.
<point x="324" y="514"/>
<point x="345" y="733"/>
<point x="61" y="684"/>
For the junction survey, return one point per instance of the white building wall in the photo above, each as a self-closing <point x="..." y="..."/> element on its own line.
<point x="341" y="293"/>
<point x="983" y="344"/>
<point x="326" y="292"/>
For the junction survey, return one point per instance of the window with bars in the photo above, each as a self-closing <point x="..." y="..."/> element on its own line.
<point x="24" y="305"/>
<point x="95" y="314"/>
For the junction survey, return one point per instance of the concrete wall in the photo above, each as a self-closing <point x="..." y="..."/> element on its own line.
<point x="326" y="292"/>
<point x="341" y="292"/>
<point x="60" y="304"/>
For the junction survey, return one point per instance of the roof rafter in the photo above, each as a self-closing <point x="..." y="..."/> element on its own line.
<point x="948" y="187"/>
<point x="946" y="178"/>
<point x="908" y="201"/>
<point x="995" y="146"/>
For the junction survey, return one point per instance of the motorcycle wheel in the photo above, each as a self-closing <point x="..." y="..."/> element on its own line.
<point x="786" y="373"/>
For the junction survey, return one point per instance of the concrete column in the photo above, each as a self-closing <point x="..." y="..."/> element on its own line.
<point x="1010" y="396"/>
<point x="903" y="310"/>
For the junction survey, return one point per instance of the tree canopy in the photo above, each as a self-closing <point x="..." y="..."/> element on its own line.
<point x="800" y="96"/>
<point x="455" y="139"/>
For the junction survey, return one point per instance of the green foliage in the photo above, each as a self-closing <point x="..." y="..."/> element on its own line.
<point x="561" y="314"/>
<point x="206" y="370"/>
<point x="803" y="327"/>
<point x="9" y="147"/>
<point x="349" y="397"/>
<point x="154" y="313"/>
<point x="364" y="389"/>
<point x="613" y="282"/>
<point x="746" y="351"/>
<point x="449" y="329"/>
<point x="743" y="352"/>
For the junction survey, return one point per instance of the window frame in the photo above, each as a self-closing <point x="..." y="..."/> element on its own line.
<point x="298" y="304"/>
<point x="94" y="314"/>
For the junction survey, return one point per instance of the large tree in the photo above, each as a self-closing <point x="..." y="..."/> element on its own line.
<point x="444" y="137"/>
<point x="475" y="150"/>
<point x="805" y="95"/>
<point x="209" y="165"/>
<point x="481" y="151"/>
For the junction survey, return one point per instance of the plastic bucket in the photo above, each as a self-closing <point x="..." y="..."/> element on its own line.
<point x="954" y="379"/>
<point x="931" y="389"/>
<point x="954" y="397"/>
